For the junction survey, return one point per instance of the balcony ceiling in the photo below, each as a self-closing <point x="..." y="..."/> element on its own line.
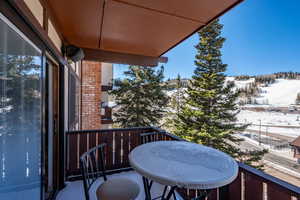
<point x="139" y="27"/>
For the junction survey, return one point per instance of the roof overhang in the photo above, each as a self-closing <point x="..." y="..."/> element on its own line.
<point x="146" y="28"/>
<point x="122" y="58"/>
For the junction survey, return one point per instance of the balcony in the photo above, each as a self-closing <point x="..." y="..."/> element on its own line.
<point x="251" y="184"/>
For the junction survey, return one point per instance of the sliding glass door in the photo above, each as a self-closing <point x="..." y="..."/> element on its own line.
<point x="20" y="115"/>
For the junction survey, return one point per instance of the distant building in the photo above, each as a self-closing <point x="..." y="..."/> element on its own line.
<point x="95" y="84"/>
<point x="296" y="146"/>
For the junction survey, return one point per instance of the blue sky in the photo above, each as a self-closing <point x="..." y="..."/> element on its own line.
<point x="262" y="36"/>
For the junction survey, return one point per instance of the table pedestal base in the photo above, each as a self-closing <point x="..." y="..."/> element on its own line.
<point x="167" y="195"/>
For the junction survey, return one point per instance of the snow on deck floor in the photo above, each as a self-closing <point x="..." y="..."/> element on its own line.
<point x="74" y="190"/>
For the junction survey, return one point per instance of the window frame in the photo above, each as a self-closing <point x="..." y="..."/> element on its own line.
<point x="15" y="17"/>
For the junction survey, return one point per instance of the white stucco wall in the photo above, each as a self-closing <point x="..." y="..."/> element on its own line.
<point x="104" y="98"/>
<point x="36" y="9"/>
<point x="53" y="35"/>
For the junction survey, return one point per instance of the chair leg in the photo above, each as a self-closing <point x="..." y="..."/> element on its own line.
<point x="174" y="195"/>
<point x="150" y="185"/>
<point x="171" y="192"/>
<point x="147" y="188"/>
<point x="164" y="193"/>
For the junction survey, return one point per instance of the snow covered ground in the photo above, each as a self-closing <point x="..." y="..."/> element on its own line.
<point x="286" y="152"/>
<point x="271" y="119"/>
<point x="290" y="132"/>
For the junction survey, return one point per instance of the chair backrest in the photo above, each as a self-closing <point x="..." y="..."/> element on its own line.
<point x="151" y="137"/>
<point x="92" y="167"/>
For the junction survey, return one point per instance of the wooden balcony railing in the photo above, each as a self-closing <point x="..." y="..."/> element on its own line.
<point x="251" y="184"/>
<point x="119" y="143"/>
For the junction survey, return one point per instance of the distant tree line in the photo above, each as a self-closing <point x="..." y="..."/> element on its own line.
<point x="251" y="89"/>
<point x="265" y="79"/>
<point x="287" y="75"/>
<point x="242" y="77"/>
<point x="277" y="75"/>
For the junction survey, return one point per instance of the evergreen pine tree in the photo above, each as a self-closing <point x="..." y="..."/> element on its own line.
<point x="140" y="97"/>
<point x="175" y="103"/>
<point x="209" y="115"/>
<point x="177" y="97"/>
<point x="20" y="91"/>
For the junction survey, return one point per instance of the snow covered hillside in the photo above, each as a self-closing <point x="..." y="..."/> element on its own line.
<point x="282" y="92"/>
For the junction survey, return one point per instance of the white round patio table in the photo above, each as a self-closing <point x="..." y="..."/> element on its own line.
<point x="183" y="165"/>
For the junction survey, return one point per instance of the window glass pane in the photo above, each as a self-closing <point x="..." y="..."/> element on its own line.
<point x="74" y="99"/>
<point x="20" y="115"/>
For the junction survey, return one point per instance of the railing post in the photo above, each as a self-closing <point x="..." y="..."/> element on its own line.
<point x="224" y="193"/>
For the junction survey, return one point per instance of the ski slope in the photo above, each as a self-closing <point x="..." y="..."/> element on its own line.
<point x="281" y="93"/>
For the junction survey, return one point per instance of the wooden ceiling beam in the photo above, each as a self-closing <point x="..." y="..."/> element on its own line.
<point x="122" y="58"/>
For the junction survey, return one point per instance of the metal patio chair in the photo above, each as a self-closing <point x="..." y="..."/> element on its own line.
<point x="92" y="164"/>
<point x="151" y="137"/>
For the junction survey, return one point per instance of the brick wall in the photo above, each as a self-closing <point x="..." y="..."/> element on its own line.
<point x="91" y="95"/>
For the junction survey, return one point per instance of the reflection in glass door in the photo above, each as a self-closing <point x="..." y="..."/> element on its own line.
<point x="20" y="115"/>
